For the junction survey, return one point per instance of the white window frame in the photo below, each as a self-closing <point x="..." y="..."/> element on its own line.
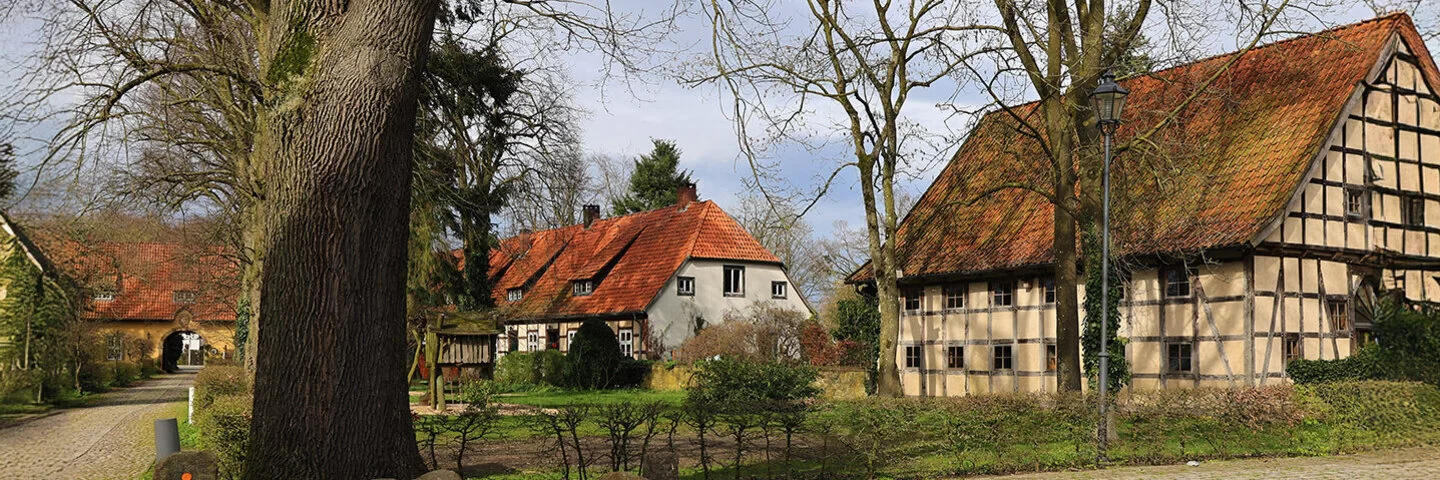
<point x="569" y="338"/>
<point x="685" y="286"/>
<point x="114" y="348"/>
<point x="514" y="295"/>
<point x="103" y="296"/>
<point x="186" y="297"/>
<point x="532" y="340"/>
<point x="581" y="288"/>
<point x="734" y="284"/>
<point x="778" y="289"/>
<point x="627" y="341"/>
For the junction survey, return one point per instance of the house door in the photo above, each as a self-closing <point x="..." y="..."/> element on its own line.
<point x="552" y="339"/>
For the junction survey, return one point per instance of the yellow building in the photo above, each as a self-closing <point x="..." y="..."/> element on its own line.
<point x="1256" y="228"/>
<point x="178" y="298"/>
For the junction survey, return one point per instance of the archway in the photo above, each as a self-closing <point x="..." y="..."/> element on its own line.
<point x="182" y="348"/>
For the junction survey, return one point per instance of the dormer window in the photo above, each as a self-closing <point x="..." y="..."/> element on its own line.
<point x="514" y="295"/>
<point x="103" y="296"/>
<point x="582" y="288"/>
<point x="183" y="296"/>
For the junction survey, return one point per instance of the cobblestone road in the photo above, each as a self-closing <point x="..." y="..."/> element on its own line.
<point x="1409" y="463"/>
<point x="111" y="439"/>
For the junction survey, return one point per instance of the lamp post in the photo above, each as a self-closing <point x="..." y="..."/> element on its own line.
<point x="1108" y="99"/>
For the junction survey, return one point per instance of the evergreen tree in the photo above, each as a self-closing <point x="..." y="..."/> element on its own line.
<point x="656" y="177"/>
<point x="594" y="356"/>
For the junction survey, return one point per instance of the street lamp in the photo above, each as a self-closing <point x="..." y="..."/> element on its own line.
<point x="1108" y="100"/>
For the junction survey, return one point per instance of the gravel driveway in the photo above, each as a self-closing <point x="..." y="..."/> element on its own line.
<point x="112" y="438"/>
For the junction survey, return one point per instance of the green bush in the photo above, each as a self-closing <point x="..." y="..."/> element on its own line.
<point x="125" y="374"/>
<point x="224" y="426"/>
<point x="95" y="376"/>
<point x="1368" y="363"/>
<point x="732" y="381"/>
<point x="632" y="373"/>
<point x="217" y="381"/>
<point x="518" y="370"/>
<point x="148" y="368"/>
<point x="1407" y="348"/>
<point x="1382" y="407"/>
<point x="594" y="357"/>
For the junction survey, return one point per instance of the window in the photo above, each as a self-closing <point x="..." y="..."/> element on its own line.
<point x="1052" y="358"/>
<point x="1355" y="202"/>
<point x="1180" y="358"/>
<point x="1049" y="283"/>
<point x="777" y="289"/>
<point x="1002" y="293"/>
<point x="1004" y="357"/>
<point x="1177" y="281"/>
<point x="1339" y="313"/>
<point x="114" y="348"/>
<point x="955" y="357"/>
<point x="514" y="295"/>
<point x="582" y="288"/>
<point x="569" y="338"/>
<point x="627" y="342"/>
<point x="912" y="356"/>
<point x="104" y="296"/>
<point x="685" y="286"/>
<point x="734" y="281"/>
<point x="183" y="296"/>
<point x="1294" y="348"/>
<point x="954" y="295"/>
<point x="532" y="341"/>
<point x="514" y="341"/>
<point x="699" y="324"/>
<point x="1412" y="211"/>
<point x="911" y="298"/>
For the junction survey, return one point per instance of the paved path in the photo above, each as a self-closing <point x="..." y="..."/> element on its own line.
<point x="1408" y="463"/>
<point x="112" y="438"/>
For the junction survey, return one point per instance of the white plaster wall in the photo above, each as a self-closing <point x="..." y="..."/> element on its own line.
<point x="672" y="316"/>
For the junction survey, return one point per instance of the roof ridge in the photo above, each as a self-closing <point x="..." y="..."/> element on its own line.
<point x="1332" y="30"/>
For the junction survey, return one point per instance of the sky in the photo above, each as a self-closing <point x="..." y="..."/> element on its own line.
<point x="623" y="116"/>
<point x="622" y="124"/>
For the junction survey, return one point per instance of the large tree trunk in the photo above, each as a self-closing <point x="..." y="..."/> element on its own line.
<point x="1067" y="308"/>
<point x="334" y="146"/>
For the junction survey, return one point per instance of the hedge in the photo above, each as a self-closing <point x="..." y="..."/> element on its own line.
<point x="224" y="425"/>
<point x="217" y="381"/>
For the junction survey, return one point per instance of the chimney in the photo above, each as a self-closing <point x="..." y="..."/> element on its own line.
<point x="685" y="195"/>
<point x="592" y="213"/>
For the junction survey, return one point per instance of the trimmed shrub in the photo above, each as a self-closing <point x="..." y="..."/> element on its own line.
<point x="632" y="373"/>
<point x="217" y="381"/>
<point x="731" y="381"/>
<point x="224" y="426"/>
<point x="529" y="369"/>
<point x="516" y="368"/>
<point x="1382" y="407"/>
<point x="1368" y="363"/>
<point x="125" y="374"/>
<point x="594" y="357"/>
<point x="95" y="376"/>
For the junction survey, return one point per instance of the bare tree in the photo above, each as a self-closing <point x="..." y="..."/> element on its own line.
<point x="862" y="63"/>
<point x="791" y="238"/>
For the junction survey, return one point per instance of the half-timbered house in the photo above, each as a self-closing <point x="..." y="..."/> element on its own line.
<point x="655" y="277"/>
<point x="1256" y="226"/>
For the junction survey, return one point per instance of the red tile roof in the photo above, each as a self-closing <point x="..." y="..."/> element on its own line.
<point x="146" y="276"/>
<point x="1216" y="177"/>
<point x="631" y="258"/>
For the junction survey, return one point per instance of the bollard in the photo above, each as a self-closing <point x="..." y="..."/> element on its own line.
<point x="190" y="408"/>
<point x="167" y="438"/>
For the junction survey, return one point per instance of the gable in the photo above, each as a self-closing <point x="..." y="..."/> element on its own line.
<point x="1216" y="176"/>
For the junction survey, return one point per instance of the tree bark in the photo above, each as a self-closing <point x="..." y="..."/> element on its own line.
<point x="334" y="149"/>
<point x="1067" y="308"/>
